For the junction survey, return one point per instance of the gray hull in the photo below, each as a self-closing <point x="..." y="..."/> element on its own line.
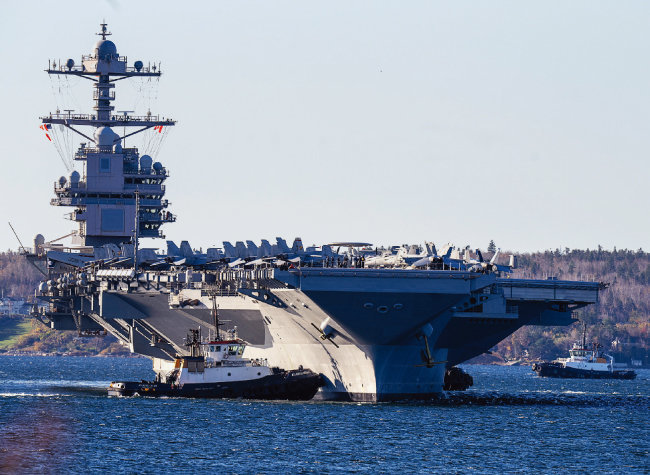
<point x="366" y="331"/>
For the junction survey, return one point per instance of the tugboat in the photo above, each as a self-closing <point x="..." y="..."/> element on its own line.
<point x="583" y="362"/>
<point x="217" y="369"/>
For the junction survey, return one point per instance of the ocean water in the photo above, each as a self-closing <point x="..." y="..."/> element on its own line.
<point x="55" y="417"/>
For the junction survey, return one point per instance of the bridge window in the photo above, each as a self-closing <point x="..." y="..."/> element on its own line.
<point x="105" y="165"/>
<point x="112" y="220"/>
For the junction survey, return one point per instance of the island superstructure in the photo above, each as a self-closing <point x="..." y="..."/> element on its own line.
<point x="377" y="324"/>
<point x="105" y="199"/>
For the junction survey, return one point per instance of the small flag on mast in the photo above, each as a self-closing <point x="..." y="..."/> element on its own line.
<point x="45" y="128"/>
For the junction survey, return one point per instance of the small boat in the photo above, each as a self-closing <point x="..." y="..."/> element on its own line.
<point x="217" y="369"/>
<point x="584" y="362"/>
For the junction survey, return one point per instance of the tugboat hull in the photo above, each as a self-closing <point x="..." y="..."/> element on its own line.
<point x="557" y="370"/>
<point x="296" y="385"/>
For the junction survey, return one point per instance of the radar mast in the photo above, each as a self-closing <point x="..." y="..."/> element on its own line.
<point x="104" y="198"/>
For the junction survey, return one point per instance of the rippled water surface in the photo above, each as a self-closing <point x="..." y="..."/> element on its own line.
<point x="55" y="417"/>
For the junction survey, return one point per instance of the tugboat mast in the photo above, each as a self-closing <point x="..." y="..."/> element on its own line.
<point x="215" y="317"/>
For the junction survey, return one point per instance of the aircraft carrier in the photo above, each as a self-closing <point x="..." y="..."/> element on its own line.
<point x="378" y="323"/>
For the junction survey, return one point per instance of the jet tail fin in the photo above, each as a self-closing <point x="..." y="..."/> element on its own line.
<point x="265" y="249"/>
<point x="241" y="249"/>
<point x="297" y="245"/>
<point x="229" y="249"/>
<point x="282" y="245"/>
<point x="430" y="248"/>
<point x="186" y="249"/>
<point x="252" y="249"/>
<point x="495" y="256"/>
<point x="172" y="249"/>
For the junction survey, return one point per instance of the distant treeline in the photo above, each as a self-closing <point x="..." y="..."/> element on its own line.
<point x="18" y="278"/>
<point x="620" y="321"/>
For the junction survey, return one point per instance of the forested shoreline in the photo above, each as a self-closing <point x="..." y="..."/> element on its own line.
<point x="620" y="321"/>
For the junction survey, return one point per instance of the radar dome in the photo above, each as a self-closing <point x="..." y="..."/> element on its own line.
<point x="138" y="65"/>
<point x="70" y="63"/>
<point x="74" y="177"/>
<point x="106" y="50"/>
<point x="105" y="137"/>
<point x="145" y="162"/>
<point x="62" y="181"/>
<point x="157" y="166"/>
<point x="39" y="240"/>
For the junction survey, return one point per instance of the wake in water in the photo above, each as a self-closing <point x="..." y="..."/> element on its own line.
<point x="538" y="399"/>
<point x="444" y="400"/>
<point x="32" y="395"/>
<point x="84" y="390"/>
<point x="51" y="388"/>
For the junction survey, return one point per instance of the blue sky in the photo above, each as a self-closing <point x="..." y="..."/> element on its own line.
<point x="385" y="122"/>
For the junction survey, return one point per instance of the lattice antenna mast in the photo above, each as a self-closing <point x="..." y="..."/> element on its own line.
<point x="104" y="33"/>
<point x="104" y="67"/>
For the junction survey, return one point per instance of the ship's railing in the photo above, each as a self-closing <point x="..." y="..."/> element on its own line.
<point x="217" y="292"/>
<point x="139" y="118"/>
<point x="79" y="68"/>
<point x="67" y="187"/>
<point x="91" y="57"/>
<point x="60" y="115"/>
<point x="245" y="275"/>
<point x="144" y="69"/>
<point x="227" y="281"/>
<point x="152" y="172"/>
<point x="165" y="216"/>
<point x="83" y="152"/>
<point x="87" y="200"/>
<point x="116" y="118"/>
<point x="144" y="187"/>
<point x="97" y="194"/>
